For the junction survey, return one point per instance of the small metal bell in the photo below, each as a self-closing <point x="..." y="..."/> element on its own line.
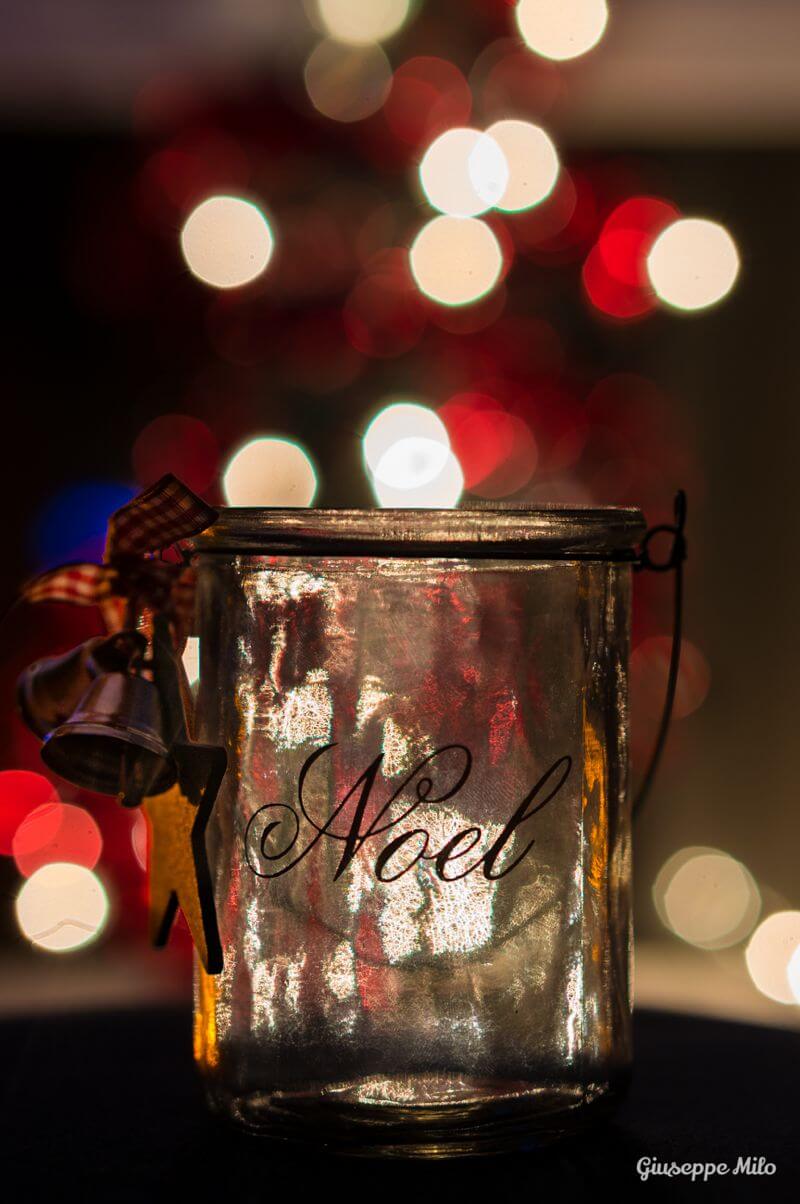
<point x="49" y="690"/>
<point x="113" y="742"/>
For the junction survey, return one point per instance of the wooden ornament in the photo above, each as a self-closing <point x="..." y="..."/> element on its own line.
<point x="178" y="863"/>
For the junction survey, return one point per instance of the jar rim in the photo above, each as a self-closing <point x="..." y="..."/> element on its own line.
<point x="531" y="532"/>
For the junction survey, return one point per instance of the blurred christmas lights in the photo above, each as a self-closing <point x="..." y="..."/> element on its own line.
<point x="62" y="907"/>
<point x="411" y="463"/>
<point x="496" y="450"/>
<point x="649" y="670"/>
<point x="72" y="523"/>
<point x="770" y="952"/>
<point x="269" y="471"/>
<point x="383" y="314"/>
<point x="428" y="95"/>
<point x="360" y="22"/>
<point x="440" y="492"/>
<point x="532" y="162"/>
<point x="615" y="272"/>
<point x="176" y="443"/>
<point x="508" y="80"/>
<point x="408" y="457"/>
<point x="561" y="29"/>
<point x="226" y="242"/>
<point x="401" y="420"/>
<point x="707" y="898"/>
<point x="464" y="172"/>
<point x="21" y="792"/>
<point x="693" y="264"/>
<point x="56" y="832"/>
<point x="456" y="261"/>
<point x="793" y="974"/>
<point x="347" y="83"/>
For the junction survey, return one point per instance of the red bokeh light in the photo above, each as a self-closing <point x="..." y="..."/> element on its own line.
<point x="615" y="273"/>
<point x="480" y="434"/>
<point x="317" y="252"/>
<point x="518" y="83"/>
<point x="384" y="314"/>
<point x="649" y="670"/>
<point x="557" y="230"/>
<point x="21" y="791"/>
<point x="496" y="449"/>
<point x="637" y="445"/>
<point x="180" y="444"/>
<point x="180" y="176"/>
<point x="611" y="295"/>
<point x="519" y="466"/>
<point x="428" y="95"/>
<point x="56" y="832"/>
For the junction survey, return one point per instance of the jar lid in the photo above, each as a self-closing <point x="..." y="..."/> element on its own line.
<point x="535" y="533"/>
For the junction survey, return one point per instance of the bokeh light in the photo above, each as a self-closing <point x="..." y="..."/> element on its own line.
<point x="197" y="164"/>
<point x="480" y="434"/>
<point x="456" y="260"/>
<point x="532" y="163"/>
<point x="509" y="81"/>
<point x="56" y="832"/>
<point x="561" y="29"/>
<point x="464" y="172"/>
<point x="496" y="450"/>
<point x="770" y="953"/>
<point x="692" y="264"/>
<point x="707" y="898"/>
<point x="649" y="672"/>
<point x="398" y="421"/>
<point x="442" y="492"/>
<point x="793" y="974"/>
<point x="361" y="21"/>
<point x="563" y="226"/>
<point x="72" y="524"/>
<point x="428" y="95"/>
<point x="62" y="907"/>
<point x="270" y="471"/>
<point x="21" y="792"/>
<point x="408" y="457"/>
<point x="226" y="241"/>
<point x="412" y="462"/>
<point x="347" y="83"/>
<point x="615" y="273"/>
<point x="384" y="315"/>
<point x="176" y="443"/>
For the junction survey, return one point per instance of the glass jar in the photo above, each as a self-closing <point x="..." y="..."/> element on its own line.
<point x="421" y="848"/>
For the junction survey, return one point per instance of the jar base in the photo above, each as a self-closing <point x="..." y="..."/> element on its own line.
<point x="374" y="1117"/>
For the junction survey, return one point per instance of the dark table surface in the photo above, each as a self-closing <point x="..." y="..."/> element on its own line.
<point x="106" y="1106"/>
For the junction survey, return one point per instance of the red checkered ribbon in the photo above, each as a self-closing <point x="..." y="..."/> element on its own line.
<point x="139" y="533"/>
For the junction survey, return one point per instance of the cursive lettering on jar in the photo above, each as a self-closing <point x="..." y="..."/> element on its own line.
<point x="279" y="837"/>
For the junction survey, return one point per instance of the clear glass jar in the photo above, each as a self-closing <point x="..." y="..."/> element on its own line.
<point x="421" y="849"/>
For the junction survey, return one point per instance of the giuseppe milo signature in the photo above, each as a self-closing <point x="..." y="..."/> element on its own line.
<point x="703" y="1170"/>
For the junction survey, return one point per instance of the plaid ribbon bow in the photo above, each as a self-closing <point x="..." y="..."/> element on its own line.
<point x="133" y="572"/>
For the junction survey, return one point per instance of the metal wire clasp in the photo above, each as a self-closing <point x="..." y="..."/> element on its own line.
<point x="673" y="563"/>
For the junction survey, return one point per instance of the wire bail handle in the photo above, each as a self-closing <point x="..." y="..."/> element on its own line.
<point x="673" y="563"/>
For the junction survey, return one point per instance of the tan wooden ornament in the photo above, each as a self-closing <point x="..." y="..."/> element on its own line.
<point x="178" y="863"/>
